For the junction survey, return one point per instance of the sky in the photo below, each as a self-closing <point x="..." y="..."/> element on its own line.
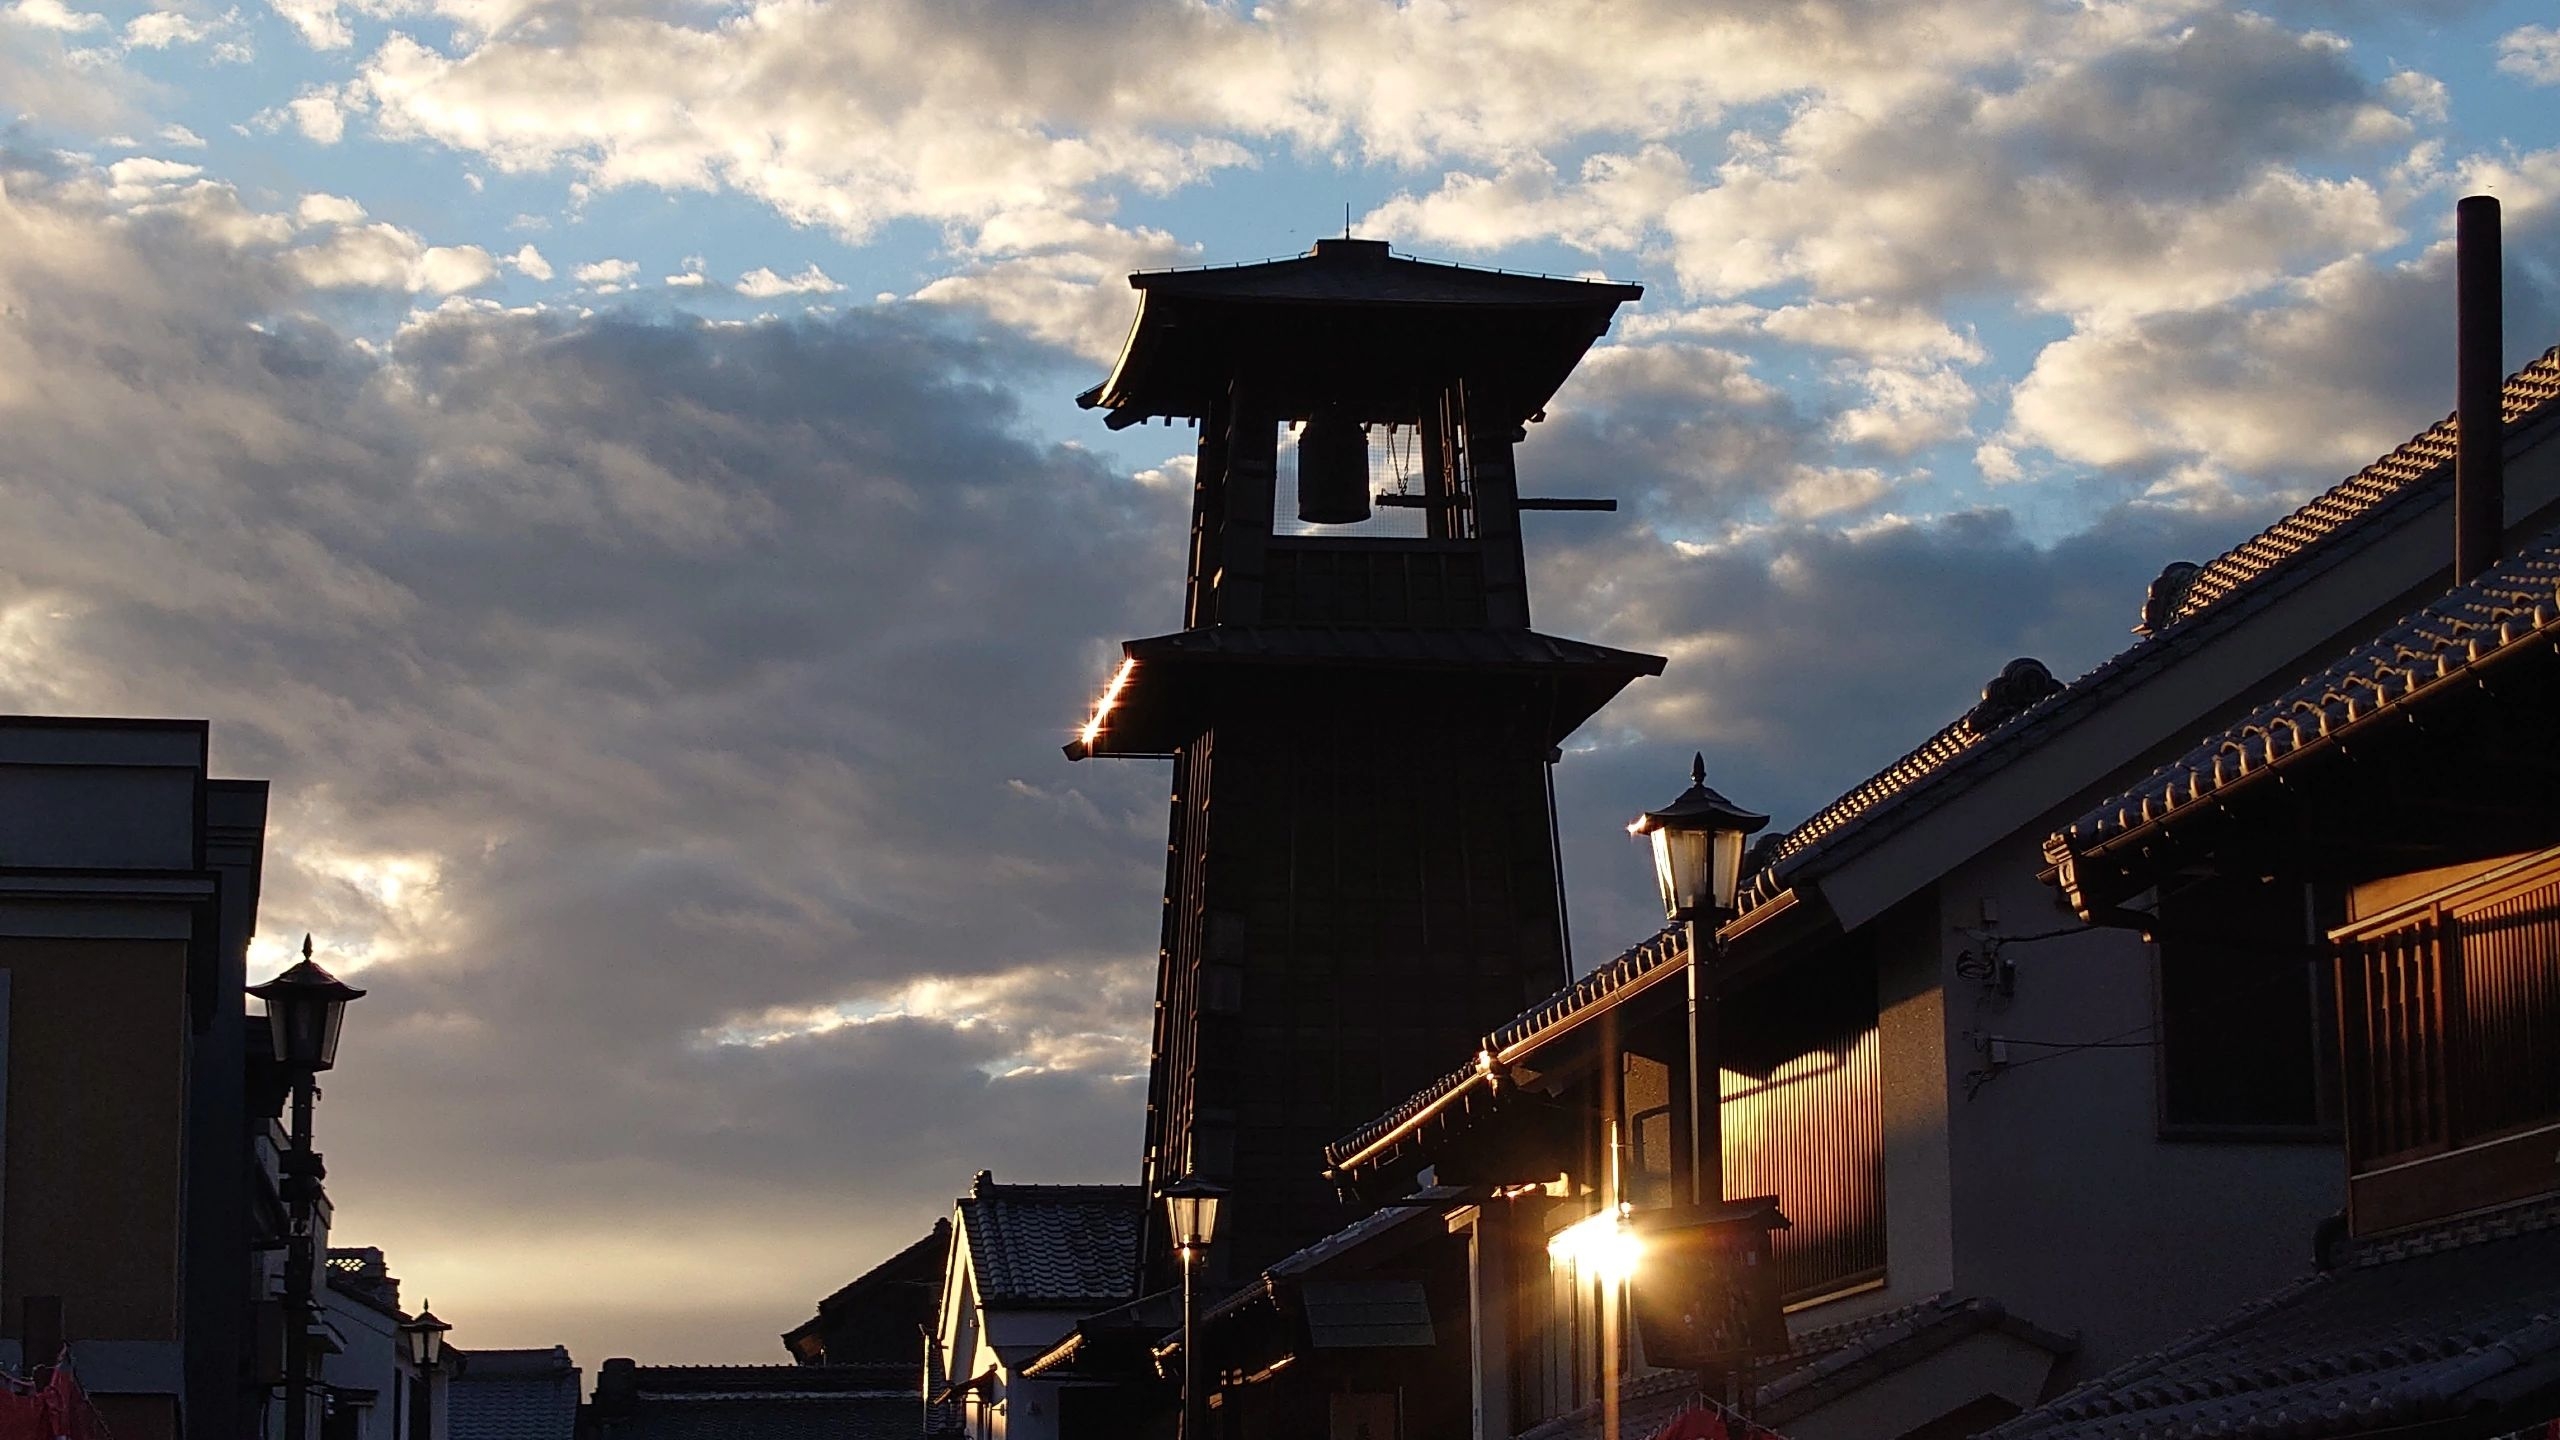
<point x="612" y="465"/>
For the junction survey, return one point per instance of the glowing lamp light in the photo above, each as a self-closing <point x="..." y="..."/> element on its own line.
<point x="1602" y="1247"/>
<point x="1110" y="697"/>
<point x="1191" y="1213"/>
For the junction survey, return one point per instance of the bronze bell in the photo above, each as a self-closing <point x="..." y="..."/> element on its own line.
<point x="1333" y="470"/>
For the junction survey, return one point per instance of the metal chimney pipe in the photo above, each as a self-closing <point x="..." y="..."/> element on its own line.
<point x="2479" y="479"/>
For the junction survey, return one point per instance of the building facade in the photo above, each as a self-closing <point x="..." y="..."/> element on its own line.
<point x="128" y="893"/>
<point x="1987" y="1117"/>
<point x="2416" y="780"/>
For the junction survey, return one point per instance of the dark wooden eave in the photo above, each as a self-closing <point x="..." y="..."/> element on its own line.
<point x="1154" y="710"/>
<point x="2429" y="744"/>
<point x="1349" y="323"/>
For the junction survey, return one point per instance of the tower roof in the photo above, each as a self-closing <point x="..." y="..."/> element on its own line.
<point x="1349" y="323"/>
<point x="1150" y="707"/>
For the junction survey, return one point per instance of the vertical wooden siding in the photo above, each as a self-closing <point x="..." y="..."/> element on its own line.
<point x="1812" y="1134"/>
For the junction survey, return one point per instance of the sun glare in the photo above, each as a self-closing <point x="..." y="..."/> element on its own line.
<point x="1110" y="697"/>
<point x="1602" y="1247"/>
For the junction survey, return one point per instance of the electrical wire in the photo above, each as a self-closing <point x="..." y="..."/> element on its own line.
<point x="1974" y="1080"/>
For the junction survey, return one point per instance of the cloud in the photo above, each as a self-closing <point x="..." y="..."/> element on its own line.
<point x="161" y="29"/>
<point x="2303" y="388"/>
<point x="1823" y="492"/>
<point x="142" y="175"/>
<point x="1907" y="409"/>
<point x="352" y="255"/>
<point x="529" y="263"/>
<point x="54" y="15"/>
<point x="181" y="136"/>
<point x="1616" y="203"/>
<point x="614" y="272"/>
<point x="690" y="277"/>
<point x="627" y="687"/>
<point x="319" y="115"/>
<point x="1058" y="279"/>
<point x="1807" y="655"/>
<point x="1693" y="430"/>
<point x="317" y="22"/>
<point x="2531" y="52"/>
<point x="328" y="210"/>
<point x="763" y="284"/>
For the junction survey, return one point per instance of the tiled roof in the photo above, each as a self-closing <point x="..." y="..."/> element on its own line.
<point x="2513" y="604"/>
<point x="359" y="1273"/>
<point x="1823" y="1364"/>
<point x="2447" y="1321"/>
<point x="762" y="1402"/>
<point x="1830" y="1361"/>
<point x="729" y="1382"/>
<point x="1423" y="1209"/>
<point x="1667" y="948"/>
<point x="1367" y="272"/>
<point x="2350" y="512"/>
<point x="759" y="1402"/>
<point x="876" y="1314"/>
<point x="1052" y="1244"/>
<point x="772" y="1417"/>
<point x="512" y="1395"/>
<point x="1390" y="320"/>
<point x="2377" y="486"/>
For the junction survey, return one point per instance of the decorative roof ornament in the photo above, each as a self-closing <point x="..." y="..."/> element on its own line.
<point x="2168" y="592"/>
<point x="2018" y="688"/>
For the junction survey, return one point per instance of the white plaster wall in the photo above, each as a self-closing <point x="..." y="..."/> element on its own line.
<point x="370" y="1360"/>
<point x="2068" y="1207"/>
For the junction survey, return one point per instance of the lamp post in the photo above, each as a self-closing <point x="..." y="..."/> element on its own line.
<point x="1191" y="1215"/>
<point x="306" y="1007"/>
<point x="424" y="1339"/>
<point x="1697" y="858"/>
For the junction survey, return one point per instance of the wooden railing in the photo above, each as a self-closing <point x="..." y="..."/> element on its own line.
<point x="2449" y="1014"/>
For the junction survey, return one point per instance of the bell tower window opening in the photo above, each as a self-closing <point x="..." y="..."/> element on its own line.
<point x="1394" y="469"/>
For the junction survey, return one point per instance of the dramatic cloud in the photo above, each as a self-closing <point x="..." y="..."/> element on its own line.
<point x="664" y="701"/>
<point x="656" y="689"/>
<point x="1805" y="658"/>
<point x="2368" y="347"/>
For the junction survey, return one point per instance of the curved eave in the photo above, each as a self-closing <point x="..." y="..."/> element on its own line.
<point x="1111" y="394"/>
<point x="1146" y="710"/>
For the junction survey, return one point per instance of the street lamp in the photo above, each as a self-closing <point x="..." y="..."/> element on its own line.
<point x="1697" y="859"/>
<point x="306" y="1006"/>
<point x="424" y="1339"/>
<point x="1191" y="1207"/>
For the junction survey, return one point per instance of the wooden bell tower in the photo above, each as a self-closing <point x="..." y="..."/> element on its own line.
<point x="1361" y="873"/>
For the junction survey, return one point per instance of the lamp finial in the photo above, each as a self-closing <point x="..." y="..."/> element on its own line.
<point x="306" y="944"/>
<point x="1698" y="768"/>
